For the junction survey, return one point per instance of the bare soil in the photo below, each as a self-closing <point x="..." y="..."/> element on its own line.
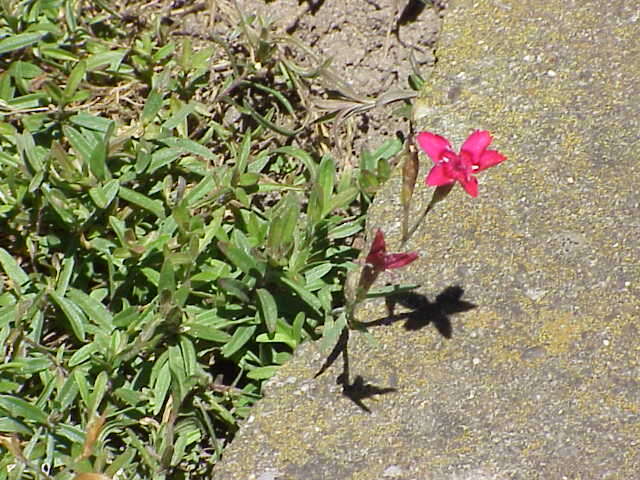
<point x="373" y="46"/>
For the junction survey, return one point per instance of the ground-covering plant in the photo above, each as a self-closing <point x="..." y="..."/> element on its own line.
<point x="169" y="234"/>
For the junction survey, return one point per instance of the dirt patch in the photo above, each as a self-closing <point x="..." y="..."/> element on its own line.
<point x="373" y="47"/>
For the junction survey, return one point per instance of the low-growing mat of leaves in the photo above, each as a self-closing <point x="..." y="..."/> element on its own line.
<point x="169" y="233"/>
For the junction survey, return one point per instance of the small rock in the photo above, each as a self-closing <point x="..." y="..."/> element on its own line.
<point x="392" y="471"/>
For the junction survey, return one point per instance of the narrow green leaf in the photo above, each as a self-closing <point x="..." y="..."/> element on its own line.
<point x="9" y="425"/>
<point x="17" y="407"/>
<point x="390" y="289"/>
<point x="92" y="122"/>
<point x="206" y="332"/>
<point x="343" y="199"/>
<point x="277" y="337"/>
<point x="243" y="154"/>
<point x="143" y="156"/>
<point x="317" y="272"/>
<point x="265" y="121"/>
<point x="161" y="157"/>
<point x="75" y="78"/>
<point x="298" y="154"/>
<point x="163" y="52"/>
<point x="368" y="182"/>
<point x="30" y="100"/>
<point x="120" y="463"/>
<point x="65" y="275"/>
<point x="83" y="354"/>
<point x="297" y="329"/>
<point x="304" y="295"/>
<point x="367" y="162"/>
<point x="59" y="203"/>
<point x="262" y="373"/>
<point x="239" y="339"/>
<point x="29" y="152"/>
<point x="98" y="159"/>
<point x="315" y="208"/>
<point x="54" y="91"/>
<point x="126" y="317"/>
<point x="204" y="187"/>
<point x="36" y="181"/>
<point x="21" y="40"/>
<point x="345" y="230"/>
<point x="69" y="16"/>
<point x="331" y="331"/>
<point x="57" y="53"/>
<point x="111" y="58"/>
<point x="80" y="378"/>
<point x="94" y="309"/>
<point x="98" y="392"/>
<point x="154" y="206"/>
<point x="161" y="388"/>
<point x="103" y="195"/>
<point x="189" y="146"/>
<point x="284" y="221"/>
<point x="74" y="434"/>
<point x="326" y="181"/>
<point x="268" y="309"/>
<point x="27" y="366"/>
<point x="24" y="70"/>
<point x="167" y="280"/>
<point x="178" y="117"/>
<point x="238" y="257"/>
<point x="388" y="149"/>
<point x="234" y="287"/>
<point x="248" y="179"/>
<point x="179" y="384"/>
<point x="152" y="106"/>
<point x="188" y="356"/>
<point x="75" y="316"/>
<point x="13" y="270"/>
<point x="80" y="143"/>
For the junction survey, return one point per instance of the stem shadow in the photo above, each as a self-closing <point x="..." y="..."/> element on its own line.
<point x="359" y="389"/>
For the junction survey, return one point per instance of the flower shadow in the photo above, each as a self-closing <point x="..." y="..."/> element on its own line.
<point x="423" y="312"/>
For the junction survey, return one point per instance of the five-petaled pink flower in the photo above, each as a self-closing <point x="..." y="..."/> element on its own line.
<point x="451" y="166"/>
<point x="380" y="260"/>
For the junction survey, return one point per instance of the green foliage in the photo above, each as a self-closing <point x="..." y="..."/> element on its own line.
<point x="158" y="261"/>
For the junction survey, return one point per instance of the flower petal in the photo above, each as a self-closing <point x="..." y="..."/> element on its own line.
<point x="438" y="176"/>
<point x="397" y="260"/>
<point x="475" y="144"/>
<point x="488" y="159"/>
<point x="378" y="250"/>
<point x="470" y="185"/>
<point x="433" y="145"/>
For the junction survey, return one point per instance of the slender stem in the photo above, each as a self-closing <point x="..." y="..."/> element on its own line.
<point x="405" y="238"/>
<point x="439" y="194"/>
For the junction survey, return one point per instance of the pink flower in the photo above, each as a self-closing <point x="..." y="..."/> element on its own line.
<point x="380" y="260"/>
<point x="451" y="166"/>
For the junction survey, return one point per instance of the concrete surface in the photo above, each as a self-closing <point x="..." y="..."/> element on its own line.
<point x="542" y="378"/>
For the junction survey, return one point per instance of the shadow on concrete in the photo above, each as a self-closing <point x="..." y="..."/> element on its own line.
<point x="423" y="312"/>
<point x="411" y="11"/>
<point x="359" y="389"/>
